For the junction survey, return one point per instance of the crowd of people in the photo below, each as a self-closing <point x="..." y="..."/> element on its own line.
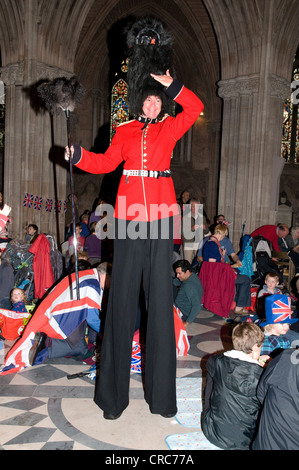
<point x="239" y="398"/>
<point x="251" y="393"/>
<point x="244" y="385"/>
<point x="88" y="237"/>
<point x="242" y="406"/>
<point x="31" y="265"/>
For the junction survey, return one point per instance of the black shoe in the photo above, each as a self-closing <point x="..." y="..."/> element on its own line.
<point x="168" y="415"/>
<point x="111" y="416"/>
<point x="38" y="345"/>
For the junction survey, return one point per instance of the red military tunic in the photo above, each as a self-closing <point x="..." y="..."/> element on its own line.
<point x="145" y="198"/>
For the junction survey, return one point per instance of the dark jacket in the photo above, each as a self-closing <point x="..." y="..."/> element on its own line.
<point x="189" y="297"/>
<point x="231" y="405"/>
<point x="278" y="391"/>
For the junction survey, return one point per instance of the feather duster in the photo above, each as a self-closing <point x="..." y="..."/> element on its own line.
<point x="61" y="93"/>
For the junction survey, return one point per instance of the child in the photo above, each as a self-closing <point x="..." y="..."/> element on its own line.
<point x="80" y="240"/>
<point x="32" y="233"/>
<point x="231" y="407"/>
<point x="93" y="245"/>
<point x="277" y="324"/>
<point x="270" y="286"/>
<point x="84" y="225"/>
<point x="12" y="324"/>
<point x="18" y="300"/>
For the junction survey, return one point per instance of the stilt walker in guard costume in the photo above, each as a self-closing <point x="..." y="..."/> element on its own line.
<point x="145" y="144"/>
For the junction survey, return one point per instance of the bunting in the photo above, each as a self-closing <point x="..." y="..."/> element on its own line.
<point x="38" y="203"/>
<point x="28" y="200"/>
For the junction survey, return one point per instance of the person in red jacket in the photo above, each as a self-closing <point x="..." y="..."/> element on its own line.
<point x="42" y="267"/>
<point x="145" y="196"/>
<point x="272" y="233"/>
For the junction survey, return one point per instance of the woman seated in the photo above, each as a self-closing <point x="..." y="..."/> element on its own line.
<point x="213" y="253"/>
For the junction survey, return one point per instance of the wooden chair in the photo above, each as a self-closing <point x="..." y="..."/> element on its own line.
<point x="283" y="261"/>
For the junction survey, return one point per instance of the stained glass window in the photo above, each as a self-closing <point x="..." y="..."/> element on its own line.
<point x="119" y="105"/>
<point x="2" y="115"/>
<point x="296" y="110"/>
<point x="2" y="125"/>
<point x="286" y="130"/>
<point x="290" y="131"/>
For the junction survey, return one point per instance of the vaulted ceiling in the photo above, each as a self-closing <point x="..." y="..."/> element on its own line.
<point x="82" y="35"/>
<point x="195" y="48"/>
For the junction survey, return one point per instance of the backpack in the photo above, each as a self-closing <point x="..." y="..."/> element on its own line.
<point x="262" y="262"/>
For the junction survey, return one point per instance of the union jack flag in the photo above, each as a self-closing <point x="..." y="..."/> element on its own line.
<point x="38" y="200"/>
<point x="49" y="205"/>
<point x="28" y="200"/>
<point x="137" y="359"/>
<point x="64" y="207"/>
<point x="281" y="309"/>
<point x="181" y="337"/>
<point x="57" y="207"/>
<point x="136" y="365"/>
<point x="58" y="315"/>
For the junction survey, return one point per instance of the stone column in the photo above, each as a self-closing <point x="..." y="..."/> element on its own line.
<point x="212" y="166"/>
<point x="12" y="76"/>
<point x="34" y="141"/>
<point x="34" y="164"/>
<point x="250" y="155"/>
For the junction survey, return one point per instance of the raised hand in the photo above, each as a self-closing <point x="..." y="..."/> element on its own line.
<point x="165" y="80"/>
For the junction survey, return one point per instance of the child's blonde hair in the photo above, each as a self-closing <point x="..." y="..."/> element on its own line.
<point x="221" y="229"/>
<point x="267" y="328"/>
<point x="21" y="290"/>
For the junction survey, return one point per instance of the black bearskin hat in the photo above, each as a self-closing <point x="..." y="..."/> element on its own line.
<point x="150" y="51"/>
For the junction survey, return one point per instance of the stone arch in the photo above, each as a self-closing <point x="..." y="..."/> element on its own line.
<point x="241" y="27"/>
<point x="43" y="39"/>
<point x="59" y="31"/>
<point x="286" y="39"/>
<point x="196" y="61"/>
<point x="11" y="31"/>
<point x="257" y="42"/>
<point x="238" y="29"/>
<point x="190" y="41"/>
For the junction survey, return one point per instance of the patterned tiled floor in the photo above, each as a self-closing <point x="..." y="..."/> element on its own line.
<point x="40" y="409"/>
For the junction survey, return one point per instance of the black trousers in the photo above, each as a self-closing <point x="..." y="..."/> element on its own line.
<point x="243" y="294"/>
<point x="140" y="262"/>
